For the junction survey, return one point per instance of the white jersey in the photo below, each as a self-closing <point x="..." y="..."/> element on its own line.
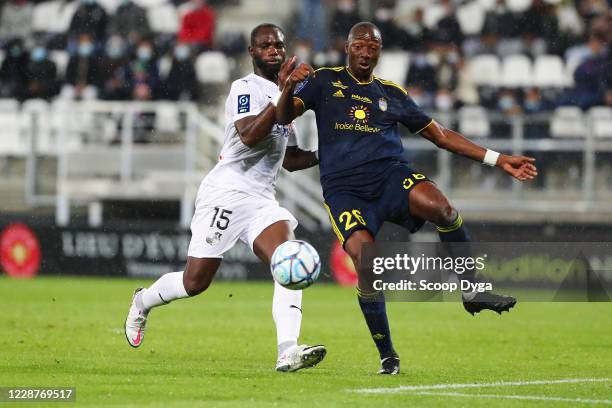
<point x="250" y="169"/>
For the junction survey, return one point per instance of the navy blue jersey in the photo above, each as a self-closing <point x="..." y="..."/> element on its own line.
<point x="357" y="128"/>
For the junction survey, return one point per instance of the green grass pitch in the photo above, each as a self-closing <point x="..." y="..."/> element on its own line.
<point x="219" y="349"/>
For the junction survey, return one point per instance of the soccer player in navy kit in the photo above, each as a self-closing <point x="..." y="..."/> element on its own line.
<point x="364" y="176"/>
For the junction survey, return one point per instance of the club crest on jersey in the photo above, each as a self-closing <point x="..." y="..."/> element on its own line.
<point x="382" y="104"/>
<point x="244" y="103"/>
<point x="213" y="238"/>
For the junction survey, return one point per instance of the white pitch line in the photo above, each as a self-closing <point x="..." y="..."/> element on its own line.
<point x="403" y="388"/>
<point x="517" y="397"/>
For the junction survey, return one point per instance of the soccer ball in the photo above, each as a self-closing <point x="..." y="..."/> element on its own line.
<point x="295" y="264"/>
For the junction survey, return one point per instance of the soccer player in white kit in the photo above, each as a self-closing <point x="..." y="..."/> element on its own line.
<point x="236" y="201"/>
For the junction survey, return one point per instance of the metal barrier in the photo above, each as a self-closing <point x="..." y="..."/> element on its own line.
<point x="576" y="183"/>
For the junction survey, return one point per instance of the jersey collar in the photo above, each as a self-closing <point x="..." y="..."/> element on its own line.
<point x="348" y="71"/>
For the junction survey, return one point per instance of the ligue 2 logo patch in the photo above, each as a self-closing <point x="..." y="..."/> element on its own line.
<point x="244" y="103"/>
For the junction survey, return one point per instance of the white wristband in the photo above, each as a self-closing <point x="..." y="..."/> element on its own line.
<point x="490" y="158"/>
<point x="316" y="153"/>
<point x="275" y="98"/>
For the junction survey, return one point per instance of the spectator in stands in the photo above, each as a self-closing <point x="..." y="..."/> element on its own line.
<point x="419" y="33"/>
<point x="198" y="26"/>
<point x="448" y="30"/>
<point x="143" y="72"/>
<point x="447" y="72"/>
<point x="590" y="75"/>
<point x="533" y="102"/>
<point x="500" y="21"/>
<point x="181" y="82"/>
<point x="508" y="103"/>
<point x="15" y="20"/>
<point x="539" y="28"/>
<point x="343" y="18"/>
<point x="312" y="20"/>
<point x="130" y="21"/>
<point x="116" y="84"/>
<point x="145" y="82"/>
<point x="89" y="18"/>
<point x="596" y="44"/>
<point x="13" y="71"/>
<point x="84" y="75"/>
<point x="422" y="74"/>
<point x="394" y="36"/>
<point x="41" y="75"/>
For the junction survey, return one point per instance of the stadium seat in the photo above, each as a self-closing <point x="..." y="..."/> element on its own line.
<point x="518" y="6"/>
<point x="43" y="16"/>
<point x="549" y="71"/>
<point x="600" y="118"/>
<point x="433" y="14"/>
<point x="166" y="117"/>
<point x="473" y="121"/>
<point x="393" y="66"/>
<point x="148" y="4"/>
<point x="9" y="105"/>
<point x="163" y="19"/>
<point x="471" y="18"/>
<point x="485" y="70"/>
<point x="487" y="4"/>
<point x="517" y="71"/>
<point x="212" y="67"/>
<point x="61" y="59"/>
<point x="55" y="16"/>
<point x="568" y="121"/>
<point x="110" y="6"/>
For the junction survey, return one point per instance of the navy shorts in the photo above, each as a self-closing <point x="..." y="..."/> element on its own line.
<point x="350" y="212"/>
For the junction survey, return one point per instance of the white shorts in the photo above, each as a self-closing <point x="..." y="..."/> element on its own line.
<point x="222" y="217"/>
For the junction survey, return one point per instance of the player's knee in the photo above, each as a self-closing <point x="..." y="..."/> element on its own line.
<point x="446" y="214"/>
<point x="196" y="285"/>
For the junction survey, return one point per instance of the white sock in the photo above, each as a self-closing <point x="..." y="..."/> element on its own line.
<point x="287" y="314"/>
<point x="166" y="289"/>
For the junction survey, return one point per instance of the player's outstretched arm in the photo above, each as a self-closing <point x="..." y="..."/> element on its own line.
<point x="519" y="167"/>
<point x="252" y="129"/>
<point x="298" y="159"/>
<point x="288" y="108"/>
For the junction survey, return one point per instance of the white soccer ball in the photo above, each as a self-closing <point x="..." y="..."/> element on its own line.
<point x="295" y="264"/>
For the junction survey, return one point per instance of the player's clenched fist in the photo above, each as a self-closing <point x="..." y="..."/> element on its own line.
<point x="298" y="74"/>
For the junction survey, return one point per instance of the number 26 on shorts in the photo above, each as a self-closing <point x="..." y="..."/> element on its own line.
<point x="346" y="218"/>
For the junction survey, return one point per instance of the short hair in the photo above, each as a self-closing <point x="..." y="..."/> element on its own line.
<point x="258" y="28"/>
<point x="364" y="25"/>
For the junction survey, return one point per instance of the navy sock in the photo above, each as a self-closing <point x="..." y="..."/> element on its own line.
<point x="457" y="232"/>
<point x="375" y="313"/>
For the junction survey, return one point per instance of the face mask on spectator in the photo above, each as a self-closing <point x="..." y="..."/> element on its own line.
<point x="420" y="60"/>
<point x="532" y="105"/>
<point x="181" y="52"/>
<point x="114" y="50"/>
<point x="85" y="49"/>
<point x="144" y="53"/>
<point x="452" y="58"/>
<point x="444" y="102"/>
<point x="38" y="54"/>
<point x="506" y="102"/>
<point x="15" y="51"/>
<point x="346" y="6"/>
